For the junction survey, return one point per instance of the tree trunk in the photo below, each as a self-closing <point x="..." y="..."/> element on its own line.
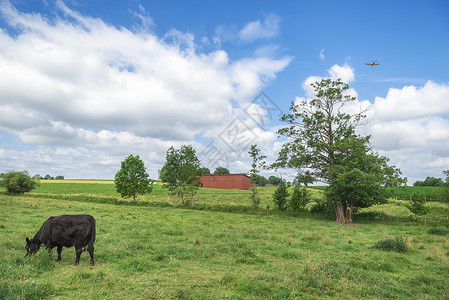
<point x="340" y="213"/>
<point x="350" y="213"/>
<point x="134" y="197"/>
<point x="343" y="214"/>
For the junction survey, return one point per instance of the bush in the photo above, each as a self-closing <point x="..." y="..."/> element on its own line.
<point x="17" y="182"/>
<point x="280" y="196"/>
<point x="323" y="208"/>
<point x="438" y="231"/>
<point x="396" y="245"/>
<point x="299" y="199"/>
<point x="418" y="204"/>
<point x="377" y="215"/>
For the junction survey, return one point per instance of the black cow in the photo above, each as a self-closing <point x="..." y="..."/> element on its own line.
<point x="65" y="231"/>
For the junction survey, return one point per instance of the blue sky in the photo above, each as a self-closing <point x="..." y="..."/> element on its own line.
<point x="83" y="84"/>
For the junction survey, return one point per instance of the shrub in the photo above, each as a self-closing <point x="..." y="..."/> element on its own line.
<point x="280" y="196"/>
<point x="299" y="199"/>
<point x="323" y="208"/>
<point x="370" y="215"/>
<point x="17" y="182"/>
<point x="396" y="245"/>
<point x="438" y="231"/>
<point x="418" y="204"/>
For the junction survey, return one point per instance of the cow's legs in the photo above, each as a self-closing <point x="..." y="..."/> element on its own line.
<point x="78" y="254"/>
<point x="59" y="253"/>
<point x="91" y="252"/>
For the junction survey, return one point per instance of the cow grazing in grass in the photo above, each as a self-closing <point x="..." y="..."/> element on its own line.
<point x="65" y="231"/>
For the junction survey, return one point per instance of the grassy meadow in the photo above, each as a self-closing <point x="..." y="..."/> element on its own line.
<point x="154" y="250"/>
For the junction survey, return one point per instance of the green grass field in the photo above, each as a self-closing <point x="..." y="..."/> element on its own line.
<point x="165" y="252"/>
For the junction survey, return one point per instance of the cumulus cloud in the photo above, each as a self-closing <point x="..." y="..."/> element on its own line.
<point x="410" y="125"/>
<point x="75" y="80"/>
<point x="97" y="76"/>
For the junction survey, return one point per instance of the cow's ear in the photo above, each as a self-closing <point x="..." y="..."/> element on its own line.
<point x="28" y="240"/>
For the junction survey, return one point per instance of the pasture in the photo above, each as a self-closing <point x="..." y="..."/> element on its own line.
<point x="154" y="250"/>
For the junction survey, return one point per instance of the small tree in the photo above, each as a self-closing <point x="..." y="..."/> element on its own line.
<point x="181" y="172"/>
<point x="418" y="204"/>
<point x="132" y="179"/>
<point x="17" y="182"/>
<point x="299" y="199"/>
<point x="280" y="196"/>
<point x="257" y="164"/>
<point x="59" y="177"/>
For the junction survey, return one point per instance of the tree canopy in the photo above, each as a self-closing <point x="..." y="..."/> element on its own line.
<point x="181" y="171"/>
<point x="321" y="140"/>
<point x="221" y="170"/>
<point x="132" y="178"/>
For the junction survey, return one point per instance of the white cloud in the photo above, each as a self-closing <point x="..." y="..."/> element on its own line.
<point x="410" y="125"/>
<point x="260" y="30"/>
<point x="78" y="83"/>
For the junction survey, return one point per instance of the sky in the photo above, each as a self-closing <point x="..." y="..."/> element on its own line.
<point x="84" y="84"/>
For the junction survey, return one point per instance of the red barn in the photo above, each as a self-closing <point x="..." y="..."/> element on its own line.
<point x="226" y="181"/>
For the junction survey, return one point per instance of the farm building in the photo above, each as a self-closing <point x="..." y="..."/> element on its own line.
<point x="226" y="181"/>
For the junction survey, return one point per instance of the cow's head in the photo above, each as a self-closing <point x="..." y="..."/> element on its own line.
<point x="32" y="246"/>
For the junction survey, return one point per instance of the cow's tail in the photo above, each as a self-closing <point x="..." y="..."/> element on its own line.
<point x="90" y="246"/>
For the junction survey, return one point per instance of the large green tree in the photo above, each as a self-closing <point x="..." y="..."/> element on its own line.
<point x="132" y="178"/>
<point x="181" y="172"/>
<point x="321" y="139"/>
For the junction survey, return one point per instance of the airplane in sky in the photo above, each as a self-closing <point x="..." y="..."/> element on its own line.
<point x="373" y="63"/>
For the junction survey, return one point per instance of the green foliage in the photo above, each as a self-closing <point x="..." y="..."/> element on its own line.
<point x="258" y="163"/>
<point x="59" y="177"/>
<point x="438" y="231"/>
<point x="17" y="182"/>
<point x="299" y="199"/>
<point x="132" y="178"/>
<point x="221" y="170"/>
<point x="322" y="138"/>
<point x="274" y="180"/>
<point x="280" y="196"/>
<point x="203" y="171"/>
<point x="418" y="204"/>
<point x="305" y="179"/>
<point x="181" y="171"/>
<point x="261" y="180"/>
<point x="397" y="245"/>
